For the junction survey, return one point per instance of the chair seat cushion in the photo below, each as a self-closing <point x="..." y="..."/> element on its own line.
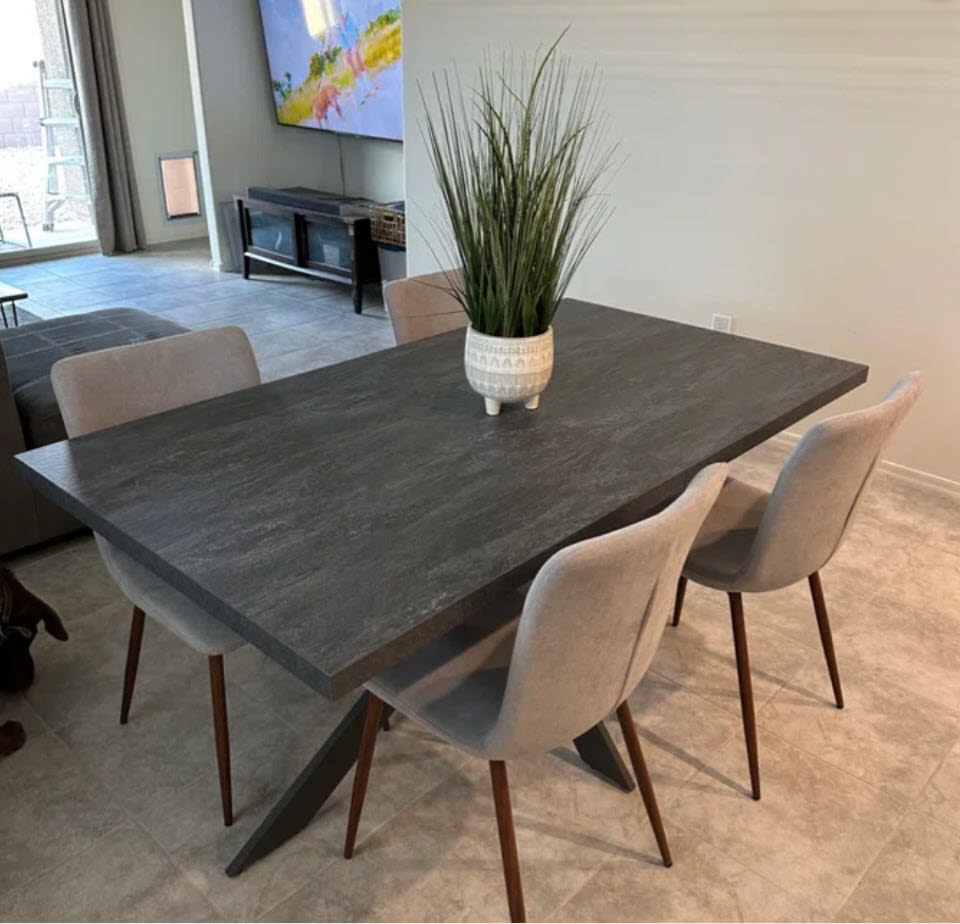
<point x="455" y="684"/>
<point x="723" y="545"/>
<point x="30" y="352"/>
<point x="165" y="604"/>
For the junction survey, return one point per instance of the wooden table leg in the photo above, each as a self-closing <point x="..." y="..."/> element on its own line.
<point x="309" y="791"/>
<point x="598" y="751"/>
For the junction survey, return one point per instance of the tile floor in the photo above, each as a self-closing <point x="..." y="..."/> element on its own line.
<point x="860" y="818"/>
<point x="294" y="323"/>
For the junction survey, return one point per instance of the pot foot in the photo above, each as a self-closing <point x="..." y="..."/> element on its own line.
<point x="492" y="406"/>
<point x="531" y="404"/>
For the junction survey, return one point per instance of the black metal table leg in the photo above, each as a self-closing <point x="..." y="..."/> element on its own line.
<point x="308" y="792"/>
<point x="598" y="751"/>
<point x="3" y="311"/>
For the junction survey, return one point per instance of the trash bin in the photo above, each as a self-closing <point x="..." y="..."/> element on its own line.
<point x="388" y="228"/>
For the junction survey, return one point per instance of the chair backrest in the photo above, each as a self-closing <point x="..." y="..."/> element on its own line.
<point x="110" y="387"/>
<point x="819" y="487"/>
<point x="592" y="621"/>
<point x="422" y="306"/>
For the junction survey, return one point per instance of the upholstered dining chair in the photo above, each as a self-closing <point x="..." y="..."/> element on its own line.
<point x="422" y="306"/>
<point x="755" y="541"/>
<point x="588" y="630"/>
<point x="110" y="387"/>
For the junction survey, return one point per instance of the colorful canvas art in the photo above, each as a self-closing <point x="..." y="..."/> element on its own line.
<point x="336" y="64"/>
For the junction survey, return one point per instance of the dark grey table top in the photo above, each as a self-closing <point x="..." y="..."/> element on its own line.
<point x="338" y="518"/>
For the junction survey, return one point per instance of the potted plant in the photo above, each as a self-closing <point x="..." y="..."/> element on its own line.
<point x="519" y="159"/>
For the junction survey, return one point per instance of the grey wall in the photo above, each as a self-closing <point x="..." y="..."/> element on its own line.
<point x="155" y="84"/>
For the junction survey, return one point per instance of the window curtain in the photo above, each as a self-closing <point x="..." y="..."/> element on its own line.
<point x="116" y="212"/>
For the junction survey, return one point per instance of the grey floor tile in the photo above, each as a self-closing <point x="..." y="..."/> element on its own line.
<point x="703" y="885"/>
<point x="884" y="735"/>
<point x="815" y="831"/>
<point x="168" y="742"/>
<point x="124" y="876"/>
<point x="53" y="808"/>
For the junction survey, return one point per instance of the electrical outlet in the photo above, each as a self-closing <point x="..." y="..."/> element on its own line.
<point x="722" y="323"/>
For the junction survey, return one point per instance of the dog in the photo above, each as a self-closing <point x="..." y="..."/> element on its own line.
<point x="21" y="613"/>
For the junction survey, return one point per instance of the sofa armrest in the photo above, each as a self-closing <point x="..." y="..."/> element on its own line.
<point x="18" y="525"/>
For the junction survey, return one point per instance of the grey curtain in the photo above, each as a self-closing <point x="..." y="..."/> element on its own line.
<point x="112" y="184"/>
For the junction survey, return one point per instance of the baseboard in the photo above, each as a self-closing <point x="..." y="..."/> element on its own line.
<point x="894" y="469"/>
<point x="42" y="254"/>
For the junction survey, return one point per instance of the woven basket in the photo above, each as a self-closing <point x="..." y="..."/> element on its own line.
<point x="388" y="225"/>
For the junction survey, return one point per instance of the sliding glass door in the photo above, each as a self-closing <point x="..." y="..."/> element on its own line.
<point x="44" y="188"/>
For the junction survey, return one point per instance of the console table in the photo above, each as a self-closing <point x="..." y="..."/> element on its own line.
<point x="311" y="232"/>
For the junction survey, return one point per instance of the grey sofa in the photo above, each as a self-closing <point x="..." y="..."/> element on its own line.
<point x="29" y="416"/>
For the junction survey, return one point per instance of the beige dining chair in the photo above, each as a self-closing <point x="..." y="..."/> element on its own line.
<point x="589" y="627"/>
<point x="422" y="306"/>
<point x="110" y="387"/>
<point x="755" y="541"/>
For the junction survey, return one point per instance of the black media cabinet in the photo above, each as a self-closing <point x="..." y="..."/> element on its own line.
<point x="311" y="232"/>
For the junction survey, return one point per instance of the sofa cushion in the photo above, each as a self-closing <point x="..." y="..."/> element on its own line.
<point x="30" y="352"/>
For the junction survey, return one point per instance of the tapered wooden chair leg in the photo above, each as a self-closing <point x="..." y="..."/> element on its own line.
<point x="371" y="725"/>
<point x="508" y="840"/>
<point x="643" y="779"/>
<point x="678" y="602"/>
<point x="133" y="661"/>
<point x="746" y="690"/>
<point x="826" y="636"/>
<point x="221" y="731"/>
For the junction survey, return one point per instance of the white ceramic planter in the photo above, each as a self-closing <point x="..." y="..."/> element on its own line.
<point x="508" y="370"/>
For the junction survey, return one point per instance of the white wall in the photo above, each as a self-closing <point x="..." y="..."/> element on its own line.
<point x="793" y="163"/>
<point x="155" y="84"/>
<point x="241" y="143"/>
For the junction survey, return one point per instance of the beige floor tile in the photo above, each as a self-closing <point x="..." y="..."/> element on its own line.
<point x="698" y="654"/>
<point x="72" y="580"/>
<point x="702" y="885"/>
<point x="814" y="832"/>
<point x="915" y="878"/>
<point x="124" y="876"/>
<point x="14" y="707"/>
<point x="190" y="815"/>
<point x="439" y="860"/>
<point x="82" y="678"/>
<point x="869" y="559"/>
<point x="790" y="612"/>
<point x="931" y="581"/>
<point x="168" y="742"/>
<point x="679" y="731"/>
<point x="301" y="860"/>
<point x="297" y="704"/>
<point x="408" y="763"/>
<point x="884" y="735"/>
<point x="941" y="795"/>
<point x="52" y="809"/>
<point x="913" y="511"/>
<point x="913" y="644"/>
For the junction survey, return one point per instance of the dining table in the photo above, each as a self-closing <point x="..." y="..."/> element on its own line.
<point x="341" y="518"/>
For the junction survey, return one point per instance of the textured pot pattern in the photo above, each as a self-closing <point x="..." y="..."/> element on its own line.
<point x="508" y="369"/>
